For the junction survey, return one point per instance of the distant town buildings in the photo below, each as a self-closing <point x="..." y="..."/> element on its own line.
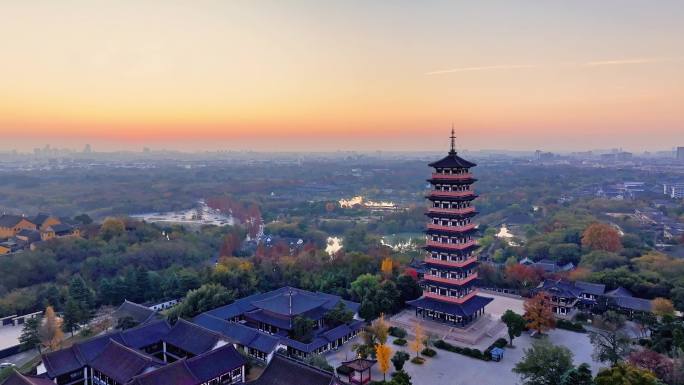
<point x="18" y="233"/>
<point x="674" y="190"/>
<point x="680" y="154"/>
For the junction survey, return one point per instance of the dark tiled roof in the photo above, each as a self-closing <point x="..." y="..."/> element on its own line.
<point x="17" y="378"/>
<point x="8" y="220"/>
<point x="452" y="161"/>
<point x="284" y="371"/>
<point x="632" y="303"/>
<point x="122" y="363"/>
<point x="620" y="292"/>
<point x="359" y="364"/>
<point x="560" y="288"/>
<point x="239" y="333"/>
<point x="40" y="218"/>
<point x="261" y="316"/>
<point x="138" y="313"/>
<point x="32" y="235"/>
<point x="591" y="288"/>
<point x="176" y="373"/>
<point x="191" y="337"/>
<point x="216" y="362"/>
<point x="465" y="309"/>
<point x="61" y="228"/>
<point x="146" y="334"/>
<point x="290" y="303"/>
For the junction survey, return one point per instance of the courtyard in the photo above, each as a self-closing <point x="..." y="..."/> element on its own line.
<point x="456" y="369"/>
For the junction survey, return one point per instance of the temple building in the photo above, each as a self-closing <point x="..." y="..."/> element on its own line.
<point x="449" y="294"/>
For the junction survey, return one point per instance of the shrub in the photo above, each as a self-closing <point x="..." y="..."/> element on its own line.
<point x="474" y="353"/>
<point x="500" y="343"/>
<point x="399" y="359"/>
<point x="418" y="360"/>
<point x="569" y="325"/>
<point x="398" y="332"/>
<point x="344" y="370"/>
<point x="428" y="352"/>
<point x="399" y="341"/>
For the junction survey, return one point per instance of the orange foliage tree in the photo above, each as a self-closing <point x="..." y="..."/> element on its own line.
<point x="662" y="306"/>
<point x="416" y="345"/>
<point x="383" y="354"/>
<point x="601" y="236"/>
<point x="522" y="276"/>
<point x="50" y="331"/>
<point x="538" y="313"/>
<point x="386" y="267"/>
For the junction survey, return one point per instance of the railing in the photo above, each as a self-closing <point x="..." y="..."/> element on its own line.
<point x="438" y="210"/>
<point x="452" y="281"/>
<point x="451" y="194"/>
<point x="458" y="300"/>
<point x="452" y="246"/>
<point x="436" y="175"/>
<point x="463" y="263"/>
<point x="432" y="226"/>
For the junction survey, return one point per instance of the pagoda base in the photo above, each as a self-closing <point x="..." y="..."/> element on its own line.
<point x="460" y="315"/>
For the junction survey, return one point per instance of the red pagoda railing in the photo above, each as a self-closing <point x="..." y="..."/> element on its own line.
<point x="451" y="194"/>
<point x="452" y="246"/>
<point x="458" y="300"/>
<point x="463" y="211"/>
<point x="436" y="175"/>
<point x="432" y="226"/>
<point x="451" y="263"/>
<point x="452" y="281"/>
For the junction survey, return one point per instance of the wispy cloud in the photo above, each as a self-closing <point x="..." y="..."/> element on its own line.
<point x="481" y="68"/>
<point x="626" y="61"/>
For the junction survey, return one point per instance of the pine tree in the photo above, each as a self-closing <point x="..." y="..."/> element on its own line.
<point x="73" y="315"/>
<point x="30" y="337"/>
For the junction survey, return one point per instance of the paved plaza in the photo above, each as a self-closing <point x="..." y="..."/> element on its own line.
<point x="9" y="335"/>
<point x="455" y="369"/>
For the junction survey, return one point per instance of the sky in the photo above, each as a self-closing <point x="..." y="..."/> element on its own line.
<point x="302" y="75"/>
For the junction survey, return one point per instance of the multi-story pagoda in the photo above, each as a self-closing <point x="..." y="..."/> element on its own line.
<point x="449" y="294"/>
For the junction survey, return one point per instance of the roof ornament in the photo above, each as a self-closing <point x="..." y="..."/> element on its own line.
<point x="289" y="292"/>
<point x="453" y="140"/>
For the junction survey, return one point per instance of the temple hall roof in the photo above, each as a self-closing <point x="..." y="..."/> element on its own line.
<point x="465" y="309"/>
<point x="452" y="160"/>
<point x="284" y="371"/>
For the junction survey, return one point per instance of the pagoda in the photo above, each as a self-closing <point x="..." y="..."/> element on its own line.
<point x="449" y="293"/>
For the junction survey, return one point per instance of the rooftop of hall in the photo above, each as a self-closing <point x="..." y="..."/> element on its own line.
<point x="465" y="309"/>
<point x="286" y="371"/>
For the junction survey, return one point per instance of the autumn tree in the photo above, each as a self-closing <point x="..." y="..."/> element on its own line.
<point x="624" y="374"/>
<point x="601" y="236"/>
<point x="659" y="364"/>
<point x="380" y="329"/>
<point x="418" y="342"/>
<point x="662" y="307"/>
<point x="515" y="323"/>
<point x="521" y="276"/>
<point x="112" y="227"/>
<point x="386" y="267"/>
<point x="50" y="331"/>
<point x="538" y="313"/>
<point x="383" y="354"/>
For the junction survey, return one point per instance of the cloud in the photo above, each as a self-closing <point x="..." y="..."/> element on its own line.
<point x="481" y="68"/>
<point x="626" y="61"/>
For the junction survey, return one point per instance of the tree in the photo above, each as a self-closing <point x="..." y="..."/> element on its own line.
<point x="365" y="286"/>
<point x="386" y="267"/>
<point x="609" y="345"/>
<point x="50" y="331"/>
<point x="662" y="306"/>
<point x="339" y="315"/>
<point x="408" y="287"/>
<point x="302" y="329"/>
<point x="83" y="219"/>
<point x="544" y="364"/>
<point x="30" y="335"/>
<point x="401" y="378"/>
<point x="112" y="227"/>
<point x="399" y="359"/>
<point x="522" y="276"/>
<point x="383" y="353"/>
<point x="418" y="342"/>
<point x="379" y="329"/>
<point x="72" y="315"/>
<point x="538" y="313"/>
<point x="601" y="236"/>
<point x="319" y="361"/>
<point x="127" y="322"/>
<point x="206" y="297"/>
<point x="515" y="323"/>
<point x="657" y="363"/>
<point x="580" y="375"/>
<point x="367" y="310"/>
<point x="625" y="375"/>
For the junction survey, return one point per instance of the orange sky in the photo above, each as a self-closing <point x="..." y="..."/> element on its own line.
<point x="312" y="75"/>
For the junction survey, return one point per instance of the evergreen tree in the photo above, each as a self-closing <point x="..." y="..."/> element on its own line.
<point x="143" y="285"/>
<point x="30" y="337"/>
<point x="73" y="315"/>
<point x="580" y="375"/>
<point x="79" y="291"/>
<point x="515" y="323"/>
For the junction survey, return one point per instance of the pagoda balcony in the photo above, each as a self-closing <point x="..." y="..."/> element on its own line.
<point x="444" y="298"/>
<point x="432" y="226"/>
<point x="459" y="264"/>
<point x="436" y="175"/>
<point x="463" y="211"/>
<point x="452" y="246"/>
<point x="451" y="194"/>
<point x="452" y="281"/>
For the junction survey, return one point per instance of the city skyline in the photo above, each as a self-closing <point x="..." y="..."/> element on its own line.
<point x="306" y="76"/>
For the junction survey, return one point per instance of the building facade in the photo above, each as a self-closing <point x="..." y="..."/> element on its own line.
<point x="449" y="293"/>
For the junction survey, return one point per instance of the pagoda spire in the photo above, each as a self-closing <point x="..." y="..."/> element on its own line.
<point x="453" y="140"/>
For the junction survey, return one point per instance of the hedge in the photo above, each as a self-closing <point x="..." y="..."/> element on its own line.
<point x="398" y="332"/>
<point x="418" y="360"/>
<point x="344" y="370"/>
<point x="399" y="341"/>
<point x="474" y="353"/>
<point x="569" y="325"/>
<point x="428" y="352"/>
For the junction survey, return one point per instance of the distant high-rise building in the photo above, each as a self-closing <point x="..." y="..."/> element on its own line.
<point x="87" y="149"/>
<point x="680" y="154"/>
